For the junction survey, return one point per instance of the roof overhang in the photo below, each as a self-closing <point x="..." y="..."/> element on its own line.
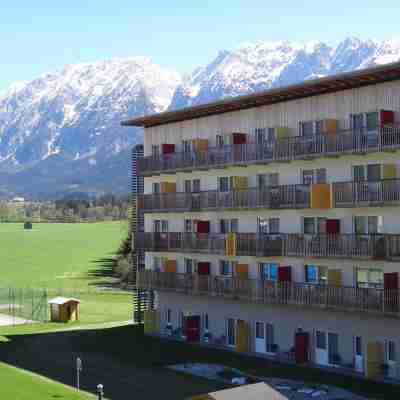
<point x="313" y="87"/>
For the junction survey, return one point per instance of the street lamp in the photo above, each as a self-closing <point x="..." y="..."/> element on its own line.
<point x="100" y="391"/>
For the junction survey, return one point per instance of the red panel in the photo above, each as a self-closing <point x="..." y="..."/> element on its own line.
<point x="239" y="138"/>
<point x="333" y="226"/>
<point x="203" y="226"/>
<point x="192" y="328"/>
<point x="301" y="347"/>
<point x="168" y="148"/>
<point x="391" y="280"/>
<point x="285" y="274"/>
<point x="387" y="117"/>
<point x="203" y="268"/>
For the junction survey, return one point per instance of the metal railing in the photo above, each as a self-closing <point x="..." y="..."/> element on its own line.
<point x="373" y="300"/>
<point x="299" y="147"/>
<point x="364" y="193"/>
<point x="276" y="197"/>
<point x="374" y="246"/>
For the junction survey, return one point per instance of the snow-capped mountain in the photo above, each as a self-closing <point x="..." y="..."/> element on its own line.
<point x="61" y="132"/>
<point x="262" y="65"/>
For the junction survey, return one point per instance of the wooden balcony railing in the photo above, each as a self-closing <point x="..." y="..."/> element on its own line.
<point x="288" y="149"/>
<point x="277" y="197"/>
<point x="377" y="246"/>
<point x="370" y="300"/>
<point x="356" y="194"/>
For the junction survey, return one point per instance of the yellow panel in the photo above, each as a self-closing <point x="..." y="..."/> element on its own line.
<point x="151" y="321"/>
<point x="282" y="133"/>
<point x="242" y="271"/>
<point x="321" y="196"/>
<point x="170" y="266"/>
<point x="230" y="244"/>
<point x="240" y="182"/>
<point x="331" y="126"/>
<point x="335" y="277"/>
<point x="200" y="144"/>
<point x="374" y="360"/>
<point x="389" y="171"/>
<point x="242" y="336"/>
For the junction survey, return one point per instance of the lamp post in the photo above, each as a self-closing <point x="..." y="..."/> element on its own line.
<point x="100" y="391"/>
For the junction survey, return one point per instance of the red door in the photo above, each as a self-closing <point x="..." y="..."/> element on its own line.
<point x="203" y="226"/>
<point x="333" y="226"/>
<point x="391" y="289"/>
<point x="386" y="117"/>
<point x="192" y="328"/>
<point x="239" y="138"/>
<point x="285" y="274"/>
<point x="301" y="347"/>
<point x="168" y="148"/>
<point x="203" y="268"/>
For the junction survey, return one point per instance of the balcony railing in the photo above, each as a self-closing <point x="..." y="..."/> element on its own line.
<point x="277" y="197"/>
<point x="288" y="149"/>
<point x="369" y="300"/>
<point x="376" y="246"/>
<point x="351" y="194"/>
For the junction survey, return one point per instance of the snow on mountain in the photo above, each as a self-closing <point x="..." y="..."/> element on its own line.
<point x="262" y="65"/>
<point x="62" y="130"/>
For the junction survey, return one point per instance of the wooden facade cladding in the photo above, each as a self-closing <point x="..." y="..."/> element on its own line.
<point x="383" y="302"/>
<point x="350" y="246"/>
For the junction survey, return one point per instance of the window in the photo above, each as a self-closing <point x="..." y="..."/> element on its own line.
<point x="189" y="266"/>
<point x="226" y="267"/>
<point x="391" y="350"/>
<point x="372" y="120"/>
<point x="306" y="128"/>
<point x="168" y="315"/>
<point x="273" y="225"/>
<point x="157" y="226"/>
<point x="261" y="135"/>
<point x="206" y="324"/>
<point x="260" y="330"/>
<point x="188" y="186"/>
<point x="370" y="172"/>
<point x="319" y="127"/>
<point x="156" y="187"/>
<point x="320" y="339"/>
<point x="225" y="183"/>
<point x="316" y="274"/>
<point x="369" y="277"/>
<point x="311" y="176"/>
<point x="358" y="346"/>
<point x="196" y="185"/>
<point x="186" y="146"/>
<point x="220" y="141"/>
<point x="314" y="225"/>
<point x="155" y="150"/>
<point x="367" y="225"/>
<point x="266" y="180"/>
<point x="308" y="177"/>
<point x="269" y="271"/>
<point x="188" y="226"/>
<point x="357" y="121"/>
<point x="269" y="338"/>
<point x="157" y="264"/>
<point x="164" y="226"/>
<point x="229" y="225"/>
<point x="268" y="225"/>
<point x="273" y="179"/>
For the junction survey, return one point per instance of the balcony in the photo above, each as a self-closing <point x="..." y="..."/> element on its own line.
<point x="366" y="194"/>
<point x="282" y="150"/>
<point x="279" y="197"/>
<point x="369" y="300"/>
<point x="351" y="246"/>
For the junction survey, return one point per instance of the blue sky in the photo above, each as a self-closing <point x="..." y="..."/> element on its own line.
<point x="40" y="36"/>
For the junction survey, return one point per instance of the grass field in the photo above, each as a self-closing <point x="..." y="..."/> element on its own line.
<point x="55" y="255"/>
<point x="18" y="384"/>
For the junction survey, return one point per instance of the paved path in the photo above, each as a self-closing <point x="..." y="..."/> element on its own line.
<point x="7" y="320"/>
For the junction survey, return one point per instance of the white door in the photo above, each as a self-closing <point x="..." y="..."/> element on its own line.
<point x="321" y="348"/>
<point x="358" y="354"/>
<point x="391" y="357"/>
<point x="260" y="337"/>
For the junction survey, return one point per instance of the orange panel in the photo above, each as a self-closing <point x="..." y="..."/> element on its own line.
<point x="331" y="126"/>
<point x="242" y="271"/>
<point x="170" y="266"/>
<point x="168" y="187"/>
<point x="321" y="196"/>
<point x="200" y="144"/>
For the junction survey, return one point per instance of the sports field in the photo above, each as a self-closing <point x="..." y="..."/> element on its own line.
<point x="56" y="255"/>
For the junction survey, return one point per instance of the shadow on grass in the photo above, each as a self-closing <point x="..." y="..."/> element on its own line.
<point x="103" y="273"/>
<point x="129" y="364"/>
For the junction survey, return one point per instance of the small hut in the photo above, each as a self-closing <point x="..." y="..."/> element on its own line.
<point x="63" y="309"/>
<point x="28" y="225"/>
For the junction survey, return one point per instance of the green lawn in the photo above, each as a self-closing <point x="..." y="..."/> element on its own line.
<point x="17" y="384"/>
<point x="56" y="255"/>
